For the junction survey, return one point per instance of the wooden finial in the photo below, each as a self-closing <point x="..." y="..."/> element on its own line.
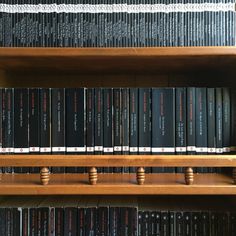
<point x="44" y="175"/>
<point x="189" y="176"/>
<point x="140" y="175"/>
<point x="234" y="175"/>
<point x="93" y="175"/>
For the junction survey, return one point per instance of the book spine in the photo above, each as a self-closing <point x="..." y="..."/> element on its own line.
<point x="187" y="223"/>
<point x="58" y="124"/>
<point x="232" y="224"/>
<point x="25" y="222"/>
<point x="124" y="225"/>
<point x="125" y="124"/>
<point x="172" y="222"/>
<point x="213" y="223"/>
<point x="201" y="124"/>
<point x="3" y="221"/>
<point x="233" y="120"/>
<point x="70" y="221"/>
<point x="59" y="221"/>
<point x="81" y="221"/>
<point x="145" y="122"/>
<point x="165" y="223"/>
<point x="45" y="121"/>
<point x="33" y="221"/>
<point x="45" y="221"/>
<point x="34" y="124"/>
<point x="226" y="120"/>
<point x="21" y="106"/>
<point x="179" y="223"/>
<point x="133" y="216"/>
<point x="103" y="225"/>
<point x="196" y="223"/>
<point x="108" y="123"/>
<point x="191" y="122"/>
<point x="38" y="221"/>
<point x="180" y="126"/>
<point x="205" y="223"/>
<point x="117" y="125"/>
<point x="91" y="221"/>
<point x="114" y="217"/>
<point x="140" y="223"/>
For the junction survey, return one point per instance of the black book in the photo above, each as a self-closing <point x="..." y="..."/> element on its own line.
<point x="114" y="220"/>
<point x="232" y="224"/>
<point x="91" y="220"/>
<point x="75" y="124"/>
<point x="70" y="221"/>
<point x="233" y="120"/>
<point x="145" y="127"/>
<point x="124" y="221"/>
<point x="103" y="221"/>
<point x="98" y="117"/>
<point x="163" y="123"/>
<point x="213" y="223"/>
<point x="117" y="125"/>
<point x="3" y="221"/>
<point x="90" y="120"/>
<point x="45" y="121"/>
<point x="155" y="223"/>
<point x="59" y="221"/>
<point x="58" y="124"/>
<point x="81" y="221"/>
<point x="33" y="221"/>
<point x="226" y="120"/>
<point x="180" y="125"/>
<point x="172" y="222"/>
<point x="205" y="224"/>
<point x="140" y="223"/>
<point x="45" y="221"/>
<point x="25" y="220"/>
<point x="196" y="224"/>
<point x="21" y="122"/>
<point x="179" y="223"/>
<point x="7" y="124"/>
<point x="133" y="123"/>
<point x="201" y="124"/>
<point x="34" y="124"/>
<point x="219" y="121"/>
<point x="187" y="224"/>
<point x="165" y="223"/>
<point x="9" y="221"/>
<point x="133" y="216"/>
<point x="108" y="124"/>
<point x="125" y="124"/>
<point x="39" y="220"/>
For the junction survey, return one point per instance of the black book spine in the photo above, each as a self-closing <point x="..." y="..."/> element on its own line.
<point x="81" y="221"/>
<point x="33" y="221"/>
<point x="124" y="221"/>
<point x="179" y="223"/>
<point x="196" y="224"/>
<point x="38" y="221"/>
<point x="90" y="120"/>
<point x="140" y="223"/>
<point x="191" y="121"/>
<point x="232" y="224"/>
<point x="226" y="120"/>
<point x="205" y="224"/>
<point x="34" y="124"/>
<point x="9" y="222"/>
<point x="98" y="114"/>
<point x="25" y="222"/>
<point x="21" y="111"/>
<point x="187" y="223"/>
<point x="125" y="124"/>
<point x="165" y="223"/>
<point x="114" y="217"/>
<point x="180" y="126"/>
<point x="70" y="221"/>
<point x="3" y="221"/>
<point x="45" y="222"/>
<point x="145" y="122"/>
<point x="232" y="120"/>
<point x="117" y="101"/>
<point x="91" y="221"/>
<point x="103" y="225"/>
<point x="213" y="223"/>
<point x="172" y="222"/>
<point x="133" y="216"/>
<point x="58" y="124"/>
<point x="59" y="221"/>
<point x="219" y="121"/>
<point x="45" y="121"/>
<point x="163" y="123"/>
<point x="75" y="123"/>
<point x="201" y="123"/>
<point x="108" y="123"/>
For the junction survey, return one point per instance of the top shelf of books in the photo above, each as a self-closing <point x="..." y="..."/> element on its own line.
<point x="118" y="60"/>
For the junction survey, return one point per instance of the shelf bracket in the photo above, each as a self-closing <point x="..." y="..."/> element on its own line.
<point x="44" y="175"/>
<point x="93" y="176"/>
<point x="140" y="176"/>
<point x="189" y="176"/>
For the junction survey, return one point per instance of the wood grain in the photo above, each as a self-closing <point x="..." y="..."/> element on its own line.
<point x="119" y="160"/>
<point x="115" y="184"/>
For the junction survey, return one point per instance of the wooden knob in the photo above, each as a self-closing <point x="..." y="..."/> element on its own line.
<point x="44" y="175"/>
<point x="140" y="175"/>
<point x="234" y="175"/>
<point x="189" y="177"/>
<point x="93" y="175"/>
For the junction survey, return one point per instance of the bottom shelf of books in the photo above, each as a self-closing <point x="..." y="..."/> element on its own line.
<point x="116" y="184"/>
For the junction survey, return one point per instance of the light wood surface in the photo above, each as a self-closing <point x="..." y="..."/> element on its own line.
<point x="119" y="160"/>
<point x="115" y="184"/>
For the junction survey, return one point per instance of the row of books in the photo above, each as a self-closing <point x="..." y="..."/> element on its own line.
<point x="117" y="23"/>
<point x="78" y="217"/>
<point x="117" y="121"/>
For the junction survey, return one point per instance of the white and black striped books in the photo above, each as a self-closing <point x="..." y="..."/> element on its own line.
<point x="163" y="123"/>
<point x="21" y="139"/>
<point x="58" y="124"/>
<point x="75" y="124"/>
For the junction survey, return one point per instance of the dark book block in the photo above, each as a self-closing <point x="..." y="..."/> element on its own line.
<point x="233" y="121"/>
<point x="165" y="223"/>
<point x="58" y="124"/>
<point x="103" y="221"/>
<point x="21" y="122"/>
<point x="114" y="221"/>
<point x="70" y="221"/>
<point x="179" y="223"/>
<point x="196" y="224"/>
<point x="187" y="223"/>
<point x="59" y="221"/>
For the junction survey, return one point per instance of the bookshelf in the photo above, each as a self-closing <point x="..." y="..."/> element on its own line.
<point x="66" y="67"/>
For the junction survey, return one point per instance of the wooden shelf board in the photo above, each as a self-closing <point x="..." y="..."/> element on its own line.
<point x="120" y="60"/>
<point x="119" y="160"/>
<point x="115" y="184"/>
